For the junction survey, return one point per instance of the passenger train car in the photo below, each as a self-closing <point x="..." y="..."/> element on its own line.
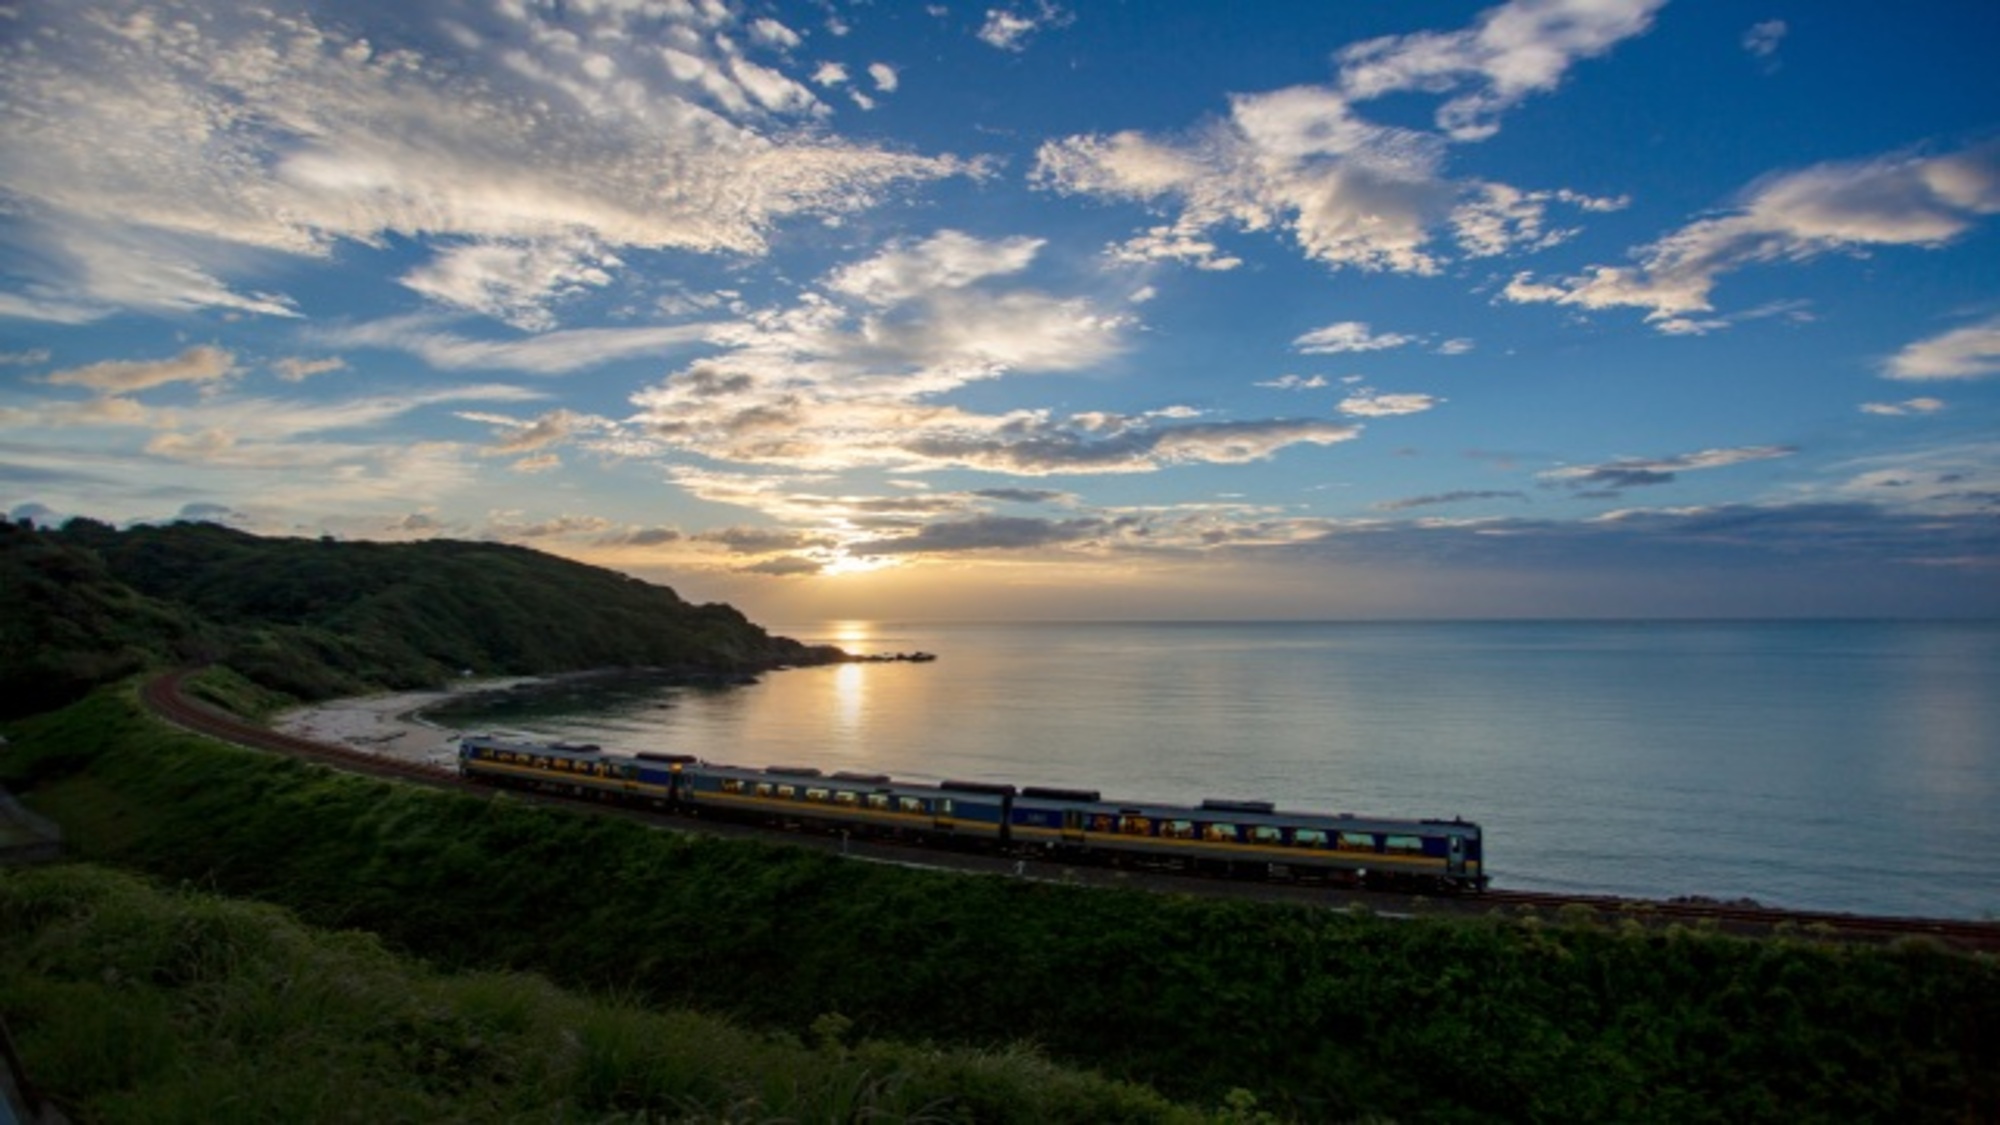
<point x="1072" y="825"/>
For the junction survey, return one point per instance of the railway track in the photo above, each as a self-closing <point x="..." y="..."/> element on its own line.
<point x="162" y="695"/>
<point x="1748" y="918"/>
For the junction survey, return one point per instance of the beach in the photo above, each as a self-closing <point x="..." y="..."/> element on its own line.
<point x="386" y="724"/>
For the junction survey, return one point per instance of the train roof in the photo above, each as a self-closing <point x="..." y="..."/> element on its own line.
<point x="1239" y="811"/>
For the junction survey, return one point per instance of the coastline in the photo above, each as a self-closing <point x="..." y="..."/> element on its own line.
<point x="387" y="725"/>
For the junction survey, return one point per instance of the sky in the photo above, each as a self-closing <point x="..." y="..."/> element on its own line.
<point x="1159" y="309"/>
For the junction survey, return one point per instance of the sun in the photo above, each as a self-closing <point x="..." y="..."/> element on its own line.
<point x="844" y="563"/>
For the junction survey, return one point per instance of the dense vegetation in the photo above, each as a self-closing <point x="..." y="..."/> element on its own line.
<point x="87" y="603"/>
<point x="1323" y="1015"/>
<point x="135" y="1004"/>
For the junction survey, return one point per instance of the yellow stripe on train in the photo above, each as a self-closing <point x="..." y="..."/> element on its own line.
<point x="1275" y="852"/>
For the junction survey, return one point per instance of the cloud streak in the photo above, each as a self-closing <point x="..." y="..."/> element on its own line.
<point x="1830" y="208"/>
<point x="1612" y="477"/>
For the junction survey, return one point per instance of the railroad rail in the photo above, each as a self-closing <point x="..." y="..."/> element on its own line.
<point x="162" y="695"/>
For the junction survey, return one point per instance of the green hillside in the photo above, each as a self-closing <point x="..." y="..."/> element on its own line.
<point x="314" y="618"/>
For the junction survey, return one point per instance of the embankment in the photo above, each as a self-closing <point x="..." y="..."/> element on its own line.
<point x="1325" y="1014"/>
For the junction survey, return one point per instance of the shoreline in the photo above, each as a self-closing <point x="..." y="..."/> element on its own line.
<point x="386" y="725"/>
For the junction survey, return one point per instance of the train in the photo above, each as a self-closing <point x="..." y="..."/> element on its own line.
<point x="1240" y="838"/>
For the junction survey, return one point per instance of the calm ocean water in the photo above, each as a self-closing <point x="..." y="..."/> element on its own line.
<point x="1831" y="765"/>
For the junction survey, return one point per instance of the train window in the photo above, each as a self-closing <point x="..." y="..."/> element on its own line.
<point x="1403" y="845"/>
<point x="766" y="789"/>
<point x="944" y="806"/>
<point x="1177" y="829"/>
<point x="1308" y="838"/>
<point x="878" y="801"/>
<point x="732" y="785"/>
<point x="1135" y="826"/>
<point x="820" y="795"/>
<point x="1266" y="834"/>
<point x="1219" y="833"/>
<point x="1101" y="823"/>
<point x="788" y="791"/>
<point x="843" y="797"/>
<point x="1355" y="841"/>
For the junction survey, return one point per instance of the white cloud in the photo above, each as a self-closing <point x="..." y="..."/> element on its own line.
<point x="1296" y="383"/>
<point x="1519" y="48"/>
<point x="552" y="353"/>
<point x="293" y="369"/>
<point x="1906" y="407"/>
<point x="149" y="156"/>
<point x="1348" y="191"/>
<point x="1348" y="336"/>
<point x="515" y="282"/>
<point x="830" y="74"/>
<point x="1828" y="208"/>
<point x="1009" y="30"/>
<point x="1964" y="353"/>
<point x="1763" y="38"/>
<point x="947" y="260"/>
<point x="773" y="33"/>
<point x="204" y="364"/>
<point x="1370" y="404"/>
<point x="553" y="428"/>
<point x="1494" y="219"/>
<point x="884" y="76"/>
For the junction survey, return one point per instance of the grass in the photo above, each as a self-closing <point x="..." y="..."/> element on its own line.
<point x="136" y="1004"/>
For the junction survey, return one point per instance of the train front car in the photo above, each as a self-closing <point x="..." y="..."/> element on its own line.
<point x="1250" y="838"/>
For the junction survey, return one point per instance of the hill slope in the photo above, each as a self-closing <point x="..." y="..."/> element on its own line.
<point x="316" y="618"/>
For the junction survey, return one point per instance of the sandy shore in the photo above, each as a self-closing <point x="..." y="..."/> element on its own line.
<point x="385" y="724"/>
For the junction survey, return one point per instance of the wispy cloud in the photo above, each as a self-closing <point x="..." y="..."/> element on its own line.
<point x="1611" y="477"/>
<point x="1964" y="353"/>
<point x="1906" y="407"/>
<point x="1459" y="497"/>
<point x="1828" y="208"/>
<point x="1514" y="50"/>
<point x="1763" y="38"/>
<point x="1010" y="28"/>
<point x="1348" y="336"/>
<point x="1368" y="403"/>
<point x="551" y="353"/>
<point x="203" y="364"/>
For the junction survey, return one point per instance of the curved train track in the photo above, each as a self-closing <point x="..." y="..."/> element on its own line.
<point x="162" y="695"/>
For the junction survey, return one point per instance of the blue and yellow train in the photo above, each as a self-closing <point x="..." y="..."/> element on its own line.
<point x="1072" y="825"/>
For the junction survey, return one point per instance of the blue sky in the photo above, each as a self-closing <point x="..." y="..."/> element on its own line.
<point x="1163" y="309"/>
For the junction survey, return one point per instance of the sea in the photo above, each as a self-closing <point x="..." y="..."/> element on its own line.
<point x="1821" y="765"/>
